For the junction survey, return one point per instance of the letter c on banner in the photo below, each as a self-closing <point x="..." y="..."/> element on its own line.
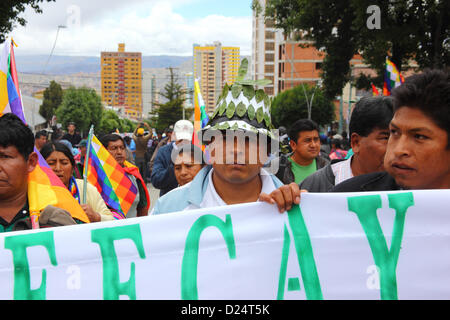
<point x="189" y="290"/>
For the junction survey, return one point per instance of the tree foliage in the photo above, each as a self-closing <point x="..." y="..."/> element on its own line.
<point x="291" y="105"/>
<point x="10" y="11"/>
<point x="82" y="106"/>
<point x="411" y="29"/>
<point x="52" y="99"/>
<point x="111" y="122"/>
<point x="170" y="112"/>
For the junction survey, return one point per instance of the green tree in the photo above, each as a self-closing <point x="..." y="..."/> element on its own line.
<point x="52" y="100"/>
<point x="409" y="29"/>
<point x="10" y="11"/>
<point x="170" y="112"/>
<point x="291" y="105"/>
<point x="82" y="106"/>
<point x="109" y="122"/>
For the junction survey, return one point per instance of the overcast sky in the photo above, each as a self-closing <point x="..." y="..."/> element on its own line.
<point x="153" y="27"/>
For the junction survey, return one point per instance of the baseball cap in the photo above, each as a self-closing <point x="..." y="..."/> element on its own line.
<point x="183" y="130"/>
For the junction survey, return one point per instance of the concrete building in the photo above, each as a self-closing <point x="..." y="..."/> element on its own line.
<point x="121" y="81"/>
<point x="148" y="94"/>
<point x="214" y="66"/>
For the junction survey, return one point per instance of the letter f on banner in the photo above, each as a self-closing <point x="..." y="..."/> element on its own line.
<point x="386" y="259"/>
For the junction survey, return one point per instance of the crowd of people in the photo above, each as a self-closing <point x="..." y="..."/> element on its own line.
<point x="396" y="142"/>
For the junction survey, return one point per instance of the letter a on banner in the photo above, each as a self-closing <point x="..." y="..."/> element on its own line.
<point x="305" y="258"/>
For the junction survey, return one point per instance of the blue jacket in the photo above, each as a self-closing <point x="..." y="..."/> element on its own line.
<point x="190" y="195"/>
<point x="163" y="176"/>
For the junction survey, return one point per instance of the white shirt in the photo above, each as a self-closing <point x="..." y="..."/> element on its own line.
<point x="212" y="198"/>
<point x="342" y="170"/>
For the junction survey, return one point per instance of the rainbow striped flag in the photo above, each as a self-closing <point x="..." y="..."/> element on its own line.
<point x="392" y="78"/>
<point x="201" y="117"/>
<point x="110" y="179"/>
<point x="44" y="187"/>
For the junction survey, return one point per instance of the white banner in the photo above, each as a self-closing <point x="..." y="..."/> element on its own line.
<point x="390" y="245"/>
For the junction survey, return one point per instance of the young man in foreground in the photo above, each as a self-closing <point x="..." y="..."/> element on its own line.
<point x="237" y="137"/>
<point x="418" y="151"/>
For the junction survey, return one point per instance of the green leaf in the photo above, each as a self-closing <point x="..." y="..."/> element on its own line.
<point x="251" y="112"/>
<point x="249" y="92"/>
<point x="267" y="120"/>
<point x="263" y="82"/>
<point x="216" y="112"/>
<point x="236" y="90"/>
<point x="230" y="110"/>
<point x="223" y="126"/>
<point x="267" y="102"/>
<point x="260" y="95"/>
<point x="241" y="109"/>
<point x="243" y="68"/>
<point x="235" y="126"/>
<point x="222" y="108"/>
<point x="260" y="115"/>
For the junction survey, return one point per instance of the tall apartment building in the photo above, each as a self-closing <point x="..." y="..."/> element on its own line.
<point x="121" y="80"/>
<point x="214" y="66"/>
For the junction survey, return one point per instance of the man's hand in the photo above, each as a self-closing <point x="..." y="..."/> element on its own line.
<point x="284" y="197"/>
<point x="92" y="215"/>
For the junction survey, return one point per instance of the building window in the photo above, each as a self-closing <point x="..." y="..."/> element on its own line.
<point x="268" y="68"/>
<point x="270" y="57"/>
<point x="270" y="46"/>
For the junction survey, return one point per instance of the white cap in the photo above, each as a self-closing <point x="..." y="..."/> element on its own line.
<point x="183" y="130"/>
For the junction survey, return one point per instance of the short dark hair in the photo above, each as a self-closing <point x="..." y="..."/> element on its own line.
<point x="41" y="133"/>
<point x="51" y="147"/>
<point x="13" y="132"/>
<point x="111" y="137"/>
<point x="371" y="113"/>
<point x="301" y="125"/>
<point x="429" y="92"/>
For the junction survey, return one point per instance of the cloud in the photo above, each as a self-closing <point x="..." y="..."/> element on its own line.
<point x="152" y="28"/>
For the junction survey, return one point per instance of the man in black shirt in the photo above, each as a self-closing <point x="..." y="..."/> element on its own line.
<point x="71" y="136"/>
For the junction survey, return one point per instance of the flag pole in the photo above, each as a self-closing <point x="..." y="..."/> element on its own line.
<point x="86" y="164"/>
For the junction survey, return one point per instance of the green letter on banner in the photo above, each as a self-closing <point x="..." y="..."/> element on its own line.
<point x="22" y="282"/>
<point x="112" y="287"/>
<point x="386" y="259"/>
<point x="305" y="254"/>
<point x="189" y="290"/>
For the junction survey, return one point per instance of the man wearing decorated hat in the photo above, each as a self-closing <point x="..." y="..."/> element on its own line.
<point x="238" y="138"/>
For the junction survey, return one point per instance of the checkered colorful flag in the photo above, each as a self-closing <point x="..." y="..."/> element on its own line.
<point x="110" y="179"/>
<point x="392" y="78"/>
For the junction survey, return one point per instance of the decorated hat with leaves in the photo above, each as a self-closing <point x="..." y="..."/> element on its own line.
<point x="241" y="107"/>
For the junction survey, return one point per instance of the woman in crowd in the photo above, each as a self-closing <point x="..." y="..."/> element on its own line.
<point x="61" y="161"/>
<point x="189" y="161"/>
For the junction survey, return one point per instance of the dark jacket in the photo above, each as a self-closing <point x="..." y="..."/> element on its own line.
<point x="322" y="180"/>
<point x="377" y="181"/>
<point x="285" y="173"/>
<point x="163" y="175"/>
